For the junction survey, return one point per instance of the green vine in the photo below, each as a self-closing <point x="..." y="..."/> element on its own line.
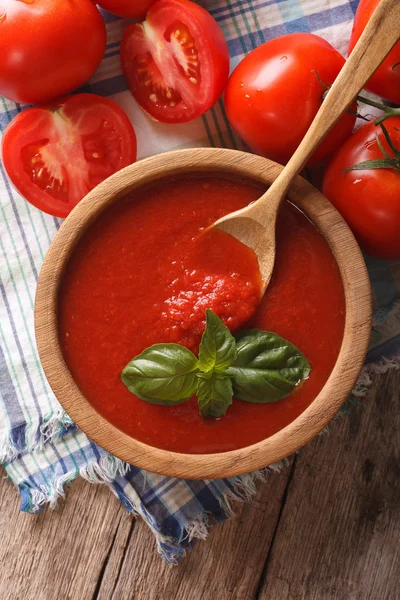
<point x="388" y="162"/>
<point x="388" y="111"/>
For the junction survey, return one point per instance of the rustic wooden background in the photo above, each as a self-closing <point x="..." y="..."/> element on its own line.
<point x="326" y="528"/>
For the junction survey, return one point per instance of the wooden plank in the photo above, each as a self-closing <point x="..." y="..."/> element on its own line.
<point x="338" y="537"/>
<point x="59" y="555"/>
<point x="226" y="566"/>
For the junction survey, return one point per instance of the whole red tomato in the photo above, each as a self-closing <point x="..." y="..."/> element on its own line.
<point x="369" y="198"/>
<point x="385" y="82"/>
<point x="48" y="48"/>
<point x="126" y="8"/>
<point x="176" y="62"/>
<point x="275" y="92"/>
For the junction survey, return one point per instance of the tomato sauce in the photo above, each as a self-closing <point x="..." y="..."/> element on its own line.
<point x="145" y="272"/>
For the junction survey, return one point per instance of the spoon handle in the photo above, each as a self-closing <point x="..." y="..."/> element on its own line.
<point x="378" y="38"/>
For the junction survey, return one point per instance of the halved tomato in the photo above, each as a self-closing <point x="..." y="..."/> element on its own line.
<point x="176" y="62"/>
<point x="55" y="154"/>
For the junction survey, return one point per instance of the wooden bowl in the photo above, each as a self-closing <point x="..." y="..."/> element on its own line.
<point x="281" y="444"/>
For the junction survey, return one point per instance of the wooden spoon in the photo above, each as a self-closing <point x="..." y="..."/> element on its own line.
<point x="255" y="224"/>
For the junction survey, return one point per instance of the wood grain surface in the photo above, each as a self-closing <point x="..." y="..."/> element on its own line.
<point x="327" y="528"/>
<point x="357" y="330"/>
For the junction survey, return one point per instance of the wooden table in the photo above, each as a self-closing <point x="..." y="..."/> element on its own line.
<point x="326" y="528"/>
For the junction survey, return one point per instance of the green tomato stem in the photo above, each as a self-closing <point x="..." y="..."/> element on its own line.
<point x="387" y="110"/>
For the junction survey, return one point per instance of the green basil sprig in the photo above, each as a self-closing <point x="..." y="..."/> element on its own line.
<point x="254" y="366"/>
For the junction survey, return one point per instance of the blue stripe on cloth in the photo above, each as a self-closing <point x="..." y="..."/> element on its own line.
<point x="301" y="24"/>
<point x="108" y="87"/>
<point x="6" y="117"/>
<point x="336" y="15"/>
<point x="354" y="5"/>
<point x="18" y="220"/>
<point x="95" y="449"/>
<point x="65" y="467"/>
<point x="20" y="351"/>
<point x="31" y="482"/>
<point x="122" y="496"/>
<point x="153" y="493"/>
<point x="236" y="46"/>
<point x="234" y="8"/>
<point x="207" y="498"/>
<point x="9" y="396"/>
<point x="110" y="18"/>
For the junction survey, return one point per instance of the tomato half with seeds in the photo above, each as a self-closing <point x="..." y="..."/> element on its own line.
<point x="176" y="62"/>
<point x="55" y="154"/>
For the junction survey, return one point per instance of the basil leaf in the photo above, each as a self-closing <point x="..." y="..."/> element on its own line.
<point x="162" y="374"/>
<point x="218" y="347"/>
<point x="214" y="392"/>
<point x="267" y="367"/>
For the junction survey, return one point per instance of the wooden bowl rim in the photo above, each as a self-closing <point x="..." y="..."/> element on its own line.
<point x="284" y="442"/>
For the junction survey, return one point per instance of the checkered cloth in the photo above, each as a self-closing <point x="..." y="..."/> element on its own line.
<point x="40" y="447"/>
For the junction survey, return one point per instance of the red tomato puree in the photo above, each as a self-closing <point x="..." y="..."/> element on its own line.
<point x="145" y="272"/>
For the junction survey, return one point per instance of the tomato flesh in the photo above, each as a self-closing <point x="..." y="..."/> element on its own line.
<point x="55" y="155"/>
<point x="369" y="200"/>
<point x="176" y="62"/>
<point x="385" y="82"/>
<point x="34" y="164"/>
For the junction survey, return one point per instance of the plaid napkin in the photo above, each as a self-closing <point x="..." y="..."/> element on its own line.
<point x="40" y="447"/>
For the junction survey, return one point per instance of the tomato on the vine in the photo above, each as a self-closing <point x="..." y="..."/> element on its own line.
<point x="48" y="48"/>
<point x="176" y="62"/>
<point x="134" y="9"/>
<point x="56" y="154"/>
<point x="385" y="82"/>
<point x="275" y="92"/>
<point x="368" y="197"/>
